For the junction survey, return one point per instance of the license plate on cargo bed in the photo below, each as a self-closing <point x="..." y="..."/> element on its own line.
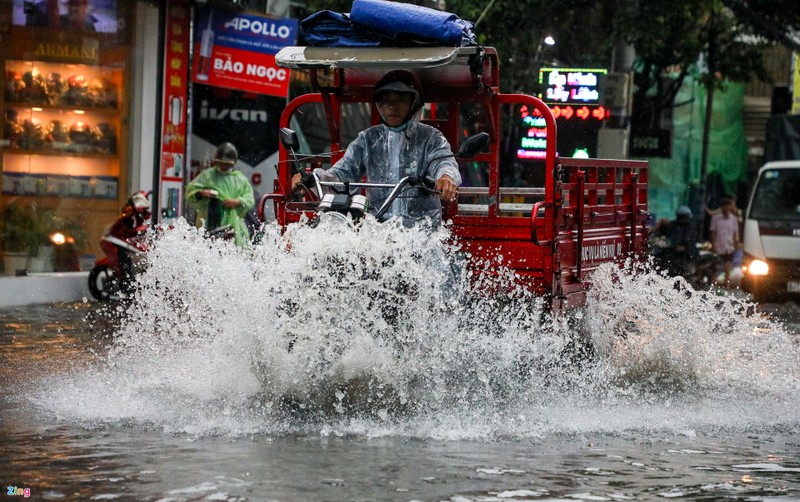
<point x="793" y="286"/>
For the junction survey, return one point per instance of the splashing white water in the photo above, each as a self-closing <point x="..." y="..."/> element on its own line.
<point x="383" y="331"/>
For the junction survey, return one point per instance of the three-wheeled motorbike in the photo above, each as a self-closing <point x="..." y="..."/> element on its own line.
<point x="551" y="220"/>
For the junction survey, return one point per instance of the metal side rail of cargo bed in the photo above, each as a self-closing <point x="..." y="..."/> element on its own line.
<point x="599" y="216"/>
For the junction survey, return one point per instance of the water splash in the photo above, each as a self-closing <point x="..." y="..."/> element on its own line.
<point x="382" y="331"/>
<point x="657" y="331"/>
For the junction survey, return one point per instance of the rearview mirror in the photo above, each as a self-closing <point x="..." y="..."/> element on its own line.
<point x="289" y="139"/>
<point x="473" y="145"/>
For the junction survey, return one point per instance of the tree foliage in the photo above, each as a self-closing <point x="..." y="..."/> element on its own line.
<point x="582" y="29"/>
<point x="671" y="38"/>
<point x="667" y="36"/>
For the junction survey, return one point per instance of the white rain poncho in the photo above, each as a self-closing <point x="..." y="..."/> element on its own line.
<point x="385" y="155"/>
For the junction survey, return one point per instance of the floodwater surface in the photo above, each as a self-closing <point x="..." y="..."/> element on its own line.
<point x="333" y="364"/>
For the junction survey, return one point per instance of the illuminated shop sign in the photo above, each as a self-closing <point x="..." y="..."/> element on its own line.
<point x="580" y="112"/>
<point x="572" y="86"/>
<point x="534" y="138"/>
<point x="577" y="127"/>
<point x="237" y="50"/>
<point x="575" y="96"/>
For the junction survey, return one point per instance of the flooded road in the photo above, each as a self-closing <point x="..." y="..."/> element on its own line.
<point x="235" y="391"/>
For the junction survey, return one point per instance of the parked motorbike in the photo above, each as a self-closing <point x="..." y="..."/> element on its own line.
<point x="702" y="271"/>
<point x="124" y="245"/>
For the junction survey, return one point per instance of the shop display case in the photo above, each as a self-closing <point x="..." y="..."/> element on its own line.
<point x="61" y="131"/>
<point x="65" y="105"/>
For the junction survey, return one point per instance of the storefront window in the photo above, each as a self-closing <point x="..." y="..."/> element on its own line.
<point x="63" y="150"/>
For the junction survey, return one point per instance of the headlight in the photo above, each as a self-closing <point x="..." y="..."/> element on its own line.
<point x="758" y="267"/>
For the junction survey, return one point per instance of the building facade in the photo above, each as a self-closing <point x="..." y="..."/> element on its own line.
<point x="99" y="103"/>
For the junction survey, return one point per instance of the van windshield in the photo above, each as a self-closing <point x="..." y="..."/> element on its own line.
<point x="777" y="196"/>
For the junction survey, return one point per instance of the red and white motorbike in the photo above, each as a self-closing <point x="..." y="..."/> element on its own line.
<point x="124" y="245"/>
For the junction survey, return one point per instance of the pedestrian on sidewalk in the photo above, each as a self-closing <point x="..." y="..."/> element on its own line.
<point x="725" y="236"/>
<point x="222" y="195"/>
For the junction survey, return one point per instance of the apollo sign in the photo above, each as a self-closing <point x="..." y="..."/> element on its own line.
<point x="260" y="27"/>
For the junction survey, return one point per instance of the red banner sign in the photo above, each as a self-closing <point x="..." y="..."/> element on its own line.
<point x="247" y="71"/>
<point x="173" y="131"/>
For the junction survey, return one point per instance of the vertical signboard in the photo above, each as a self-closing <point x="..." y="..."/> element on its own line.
<point x="795" y="83"/>
<point x="237" y="50"/>
<point x="173" y="129"/>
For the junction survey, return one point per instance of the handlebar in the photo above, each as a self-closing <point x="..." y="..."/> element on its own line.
<point x="426" y="183"/>
<point x="413" y="181"/>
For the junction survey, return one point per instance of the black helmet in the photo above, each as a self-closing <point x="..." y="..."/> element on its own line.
<point x="683" y="211"/>
<point x="227" y="152"/>
<point x="400" y="81"/>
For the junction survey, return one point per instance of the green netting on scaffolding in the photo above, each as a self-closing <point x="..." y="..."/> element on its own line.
<point x="674" y="181"/>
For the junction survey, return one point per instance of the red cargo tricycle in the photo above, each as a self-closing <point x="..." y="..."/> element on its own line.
<point x="553" y="229"/>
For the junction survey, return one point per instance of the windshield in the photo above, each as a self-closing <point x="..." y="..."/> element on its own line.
<point x="777" y="196"/>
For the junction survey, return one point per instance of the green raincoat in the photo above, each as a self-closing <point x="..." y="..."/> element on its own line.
<point x="230" y="185"/>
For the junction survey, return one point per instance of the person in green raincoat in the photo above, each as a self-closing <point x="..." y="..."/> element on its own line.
<point x="221" y="195"/>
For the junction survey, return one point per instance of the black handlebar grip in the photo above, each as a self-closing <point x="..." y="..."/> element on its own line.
<point x="309" y="181"/>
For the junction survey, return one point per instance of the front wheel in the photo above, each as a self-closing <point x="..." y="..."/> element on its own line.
<point x="102" y="283"/>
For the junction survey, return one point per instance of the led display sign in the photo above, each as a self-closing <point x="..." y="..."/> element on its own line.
<point x="577" y="128"/>
<point x="572" y="86"/>
<point x="534" y="139"/>
<point x="575" y="96"/>
<point x="580" y="112"/>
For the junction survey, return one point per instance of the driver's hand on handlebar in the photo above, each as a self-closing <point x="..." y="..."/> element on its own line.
<point x="308" y="180"/>
<point x="296" y="180"/>
<point x="448" y="190"/>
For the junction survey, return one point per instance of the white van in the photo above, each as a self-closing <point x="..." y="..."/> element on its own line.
<point x="772" y="233"/>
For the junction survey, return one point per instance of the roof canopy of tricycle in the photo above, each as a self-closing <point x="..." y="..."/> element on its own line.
<point x="445" y="72"/>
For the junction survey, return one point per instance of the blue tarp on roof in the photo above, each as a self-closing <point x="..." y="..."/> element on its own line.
<point x="334" y="29"/>
<point x="385" y="23"/>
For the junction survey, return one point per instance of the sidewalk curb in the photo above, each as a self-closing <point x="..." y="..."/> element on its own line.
<point x="43" y="288"/>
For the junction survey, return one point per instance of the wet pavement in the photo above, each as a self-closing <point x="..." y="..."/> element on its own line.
<point x="84" y="429"/>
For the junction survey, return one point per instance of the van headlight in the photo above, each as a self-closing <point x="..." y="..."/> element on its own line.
<point x="758" y="267"/>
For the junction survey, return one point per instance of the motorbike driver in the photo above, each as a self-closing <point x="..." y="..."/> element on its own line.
<point x="397" y="147"/>
<point x="131" y="224"/>
<point x="222" y="195"/>
<point x="676" y="246"/>
<point x="134" y="218"/>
